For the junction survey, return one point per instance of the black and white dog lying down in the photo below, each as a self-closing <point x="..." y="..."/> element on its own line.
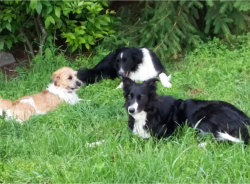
<point x="151" y="114"/>
<point x="138" y="64"/>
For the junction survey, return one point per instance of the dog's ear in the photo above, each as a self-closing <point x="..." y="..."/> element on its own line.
<point x="111" y="57"/>
<point x="55" y="77"/>
<point x="137" y="56"/>
<point x="151" y="84"/>
<point x="126" y="82"/>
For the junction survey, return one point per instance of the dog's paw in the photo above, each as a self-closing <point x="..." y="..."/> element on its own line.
<point x="120" y="86"/>
<point x="202" y="145"/>
<point x="165" y="80"/>
<point x="94" y="144"/>
<point x="167" y="84"/>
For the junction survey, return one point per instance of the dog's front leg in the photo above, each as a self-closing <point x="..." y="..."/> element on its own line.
<point x="120" y="86"/>
<point x="165" y="80"/>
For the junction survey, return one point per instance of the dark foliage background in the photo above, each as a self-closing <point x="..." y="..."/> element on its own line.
<point x="168" y="27"/>
<point x="171" y="27"/>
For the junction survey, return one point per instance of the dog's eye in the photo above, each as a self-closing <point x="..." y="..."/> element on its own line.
<point x="124" y="60"/>
<point x="130" y="96"/>
<point x="70" y="77"/>
<point x="139" y="97"/>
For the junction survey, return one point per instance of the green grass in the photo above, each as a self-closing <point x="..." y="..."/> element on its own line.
<point x="52" y="148"/>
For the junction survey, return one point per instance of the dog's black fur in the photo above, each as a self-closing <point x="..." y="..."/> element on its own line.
<point x="109" y="66"/>
<point x="165" y="113"/>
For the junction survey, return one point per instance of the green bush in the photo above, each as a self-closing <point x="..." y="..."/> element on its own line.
<point x="80" y="23"/>
<point x="170" y="26"/>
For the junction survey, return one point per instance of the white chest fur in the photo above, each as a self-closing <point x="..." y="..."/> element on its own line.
<point x="70" y="98"/>
<point x="146" y="69"/>
<point x="139" y="125"/>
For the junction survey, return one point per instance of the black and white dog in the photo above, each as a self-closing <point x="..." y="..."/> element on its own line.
<point x="151" y="114"/>
<point x="138" y="64"/>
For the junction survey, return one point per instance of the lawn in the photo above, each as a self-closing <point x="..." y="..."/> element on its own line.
<point x="53" y="148"/>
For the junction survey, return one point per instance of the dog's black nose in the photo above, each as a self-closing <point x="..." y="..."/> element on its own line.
<point x="131" y="110"/>
<point x="78" y="83"/>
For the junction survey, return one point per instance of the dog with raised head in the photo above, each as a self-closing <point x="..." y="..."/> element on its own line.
<point x="138" y="64"/>
<point x="62" y="89"/>
<point x="151" y="114"/>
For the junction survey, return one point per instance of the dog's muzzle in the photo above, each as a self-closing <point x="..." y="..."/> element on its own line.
<point x="78" y="83"/>
<point x="131" y="110"/>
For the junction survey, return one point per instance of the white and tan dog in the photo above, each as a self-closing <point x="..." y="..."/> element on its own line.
<point x="62" y="89"/>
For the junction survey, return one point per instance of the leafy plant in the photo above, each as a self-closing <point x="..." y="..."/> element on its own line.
<point x="170" y="27"/>
<point x="80" y="23"/>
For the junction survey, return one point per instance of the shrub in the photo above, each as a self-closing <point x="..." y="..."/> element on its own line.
<point x="80" y="23"/>
<point x="169" y="27"/>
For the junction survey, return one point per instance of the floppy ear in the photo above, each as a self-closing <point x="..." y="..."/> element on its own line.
<point x="111" y="57"/>
<point x="151" y="84"/>
<point x="55" y="77"/>
<point x="137" y="56"/>
<point x="127" y="82"/>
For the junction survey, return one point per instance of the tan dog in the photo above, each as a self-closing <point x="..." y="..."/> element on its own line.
<point x="62" y="89"/>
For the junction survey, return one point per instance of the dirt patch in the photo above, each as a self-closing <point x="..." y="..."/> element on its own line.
<point x="195" y="91"/>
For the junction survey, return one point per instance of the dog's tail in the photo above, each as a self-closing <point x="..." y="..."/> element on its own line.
<point x="104" y="69"/>
<point x="89" y="76"/>
<point x="5" y="105"/>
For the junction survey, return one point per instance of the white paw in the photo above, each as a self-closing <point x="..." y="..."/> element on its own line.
<point x="142" y="135"/>
<point x="9" y="117"/>
<point x="94" y="144"/>
<point x="167" y="84"/>
<point x="120" y="86"/>
<point x="202" y="145"/>
<point x="165" y="80"/>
